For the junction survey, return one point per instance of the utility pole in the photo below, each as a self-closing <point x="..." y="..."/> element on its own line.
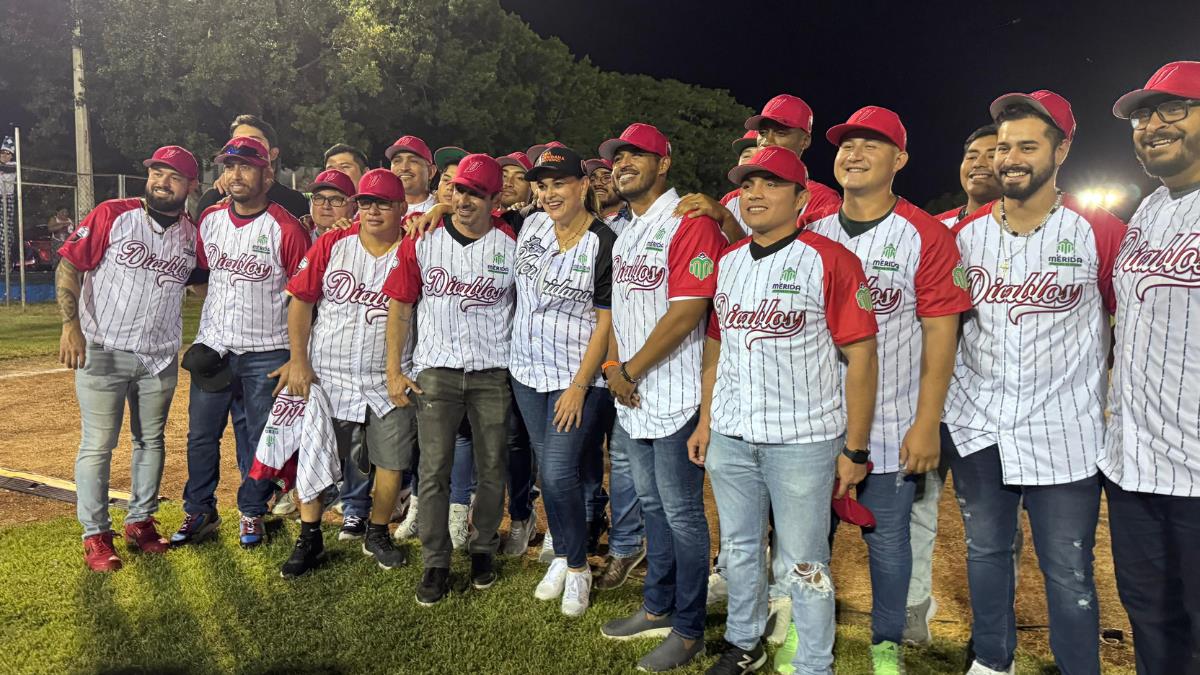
<point x="85" y="198"/>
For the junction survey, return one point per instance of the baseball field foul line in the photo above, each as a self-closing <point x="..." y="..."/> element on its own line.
<point x="31" y="373"/>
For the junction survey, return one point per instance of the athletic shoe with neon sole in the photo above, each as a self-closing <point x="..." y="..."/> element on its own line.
<point x="886" y="658"/>
<point x="787" y="652"/>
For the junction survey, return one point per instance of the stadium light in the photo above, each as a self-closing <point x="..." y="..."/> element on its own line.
<point x="1105" y="196"/>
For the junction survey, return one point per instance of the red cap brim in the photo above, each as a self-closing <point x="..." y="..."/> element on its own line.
<point x="839" y="131"/>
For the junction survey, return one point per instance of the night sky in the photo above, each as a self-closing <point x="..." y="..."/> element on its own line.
<point x="937" y="64"/>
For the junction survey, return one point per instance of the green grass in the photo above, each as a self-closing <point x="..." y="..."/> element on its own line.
<point x="34" y="332"/>
<point x="218" y="609"/>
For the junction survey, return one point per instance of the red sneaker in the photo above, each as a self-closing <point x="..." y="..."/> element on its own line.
<point x="98" y="553"/>
<point x="143" y="536"/>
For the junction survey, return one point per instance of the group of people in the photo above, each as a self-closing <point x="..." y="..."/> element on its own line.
<point x="798" y="344"/>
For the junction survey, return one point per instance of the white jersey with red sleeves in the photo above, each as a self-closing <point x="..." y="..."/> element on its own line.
<point x="914" y="272"/>
<point x="1031" y="371"/>
<point x="463" y="290"/>
<point x="822" y="201"/>
<point x="250" y="262"/>
<point x="781" y="312"/>
<point x="660" y="257"/>
<point x="558" y="294"/>
<point x="346" y="348"/>
<point x="1154" y="426"/>
<point x="134" y="272"/>
<point x="950" y="218"/>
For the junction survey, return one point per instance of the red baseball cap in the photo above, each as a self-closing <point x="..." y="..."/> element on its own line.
<point x="849" y="509"/>
<point x="479" y="173"/>
<point x="1044" y="101"/>
<point x="774" y="160"/>
<point x="790" y="111"/>
<point x="179" y="159"/>
<point x="516" y="159"/>
<point x="332" y="178"/>
<point x="1178" y="78"/>
<point x="380" y="184"/>
<point x="871" y="118"/>
<point x="748" y="140"/>
<point x="536" y="151"/>
<point x="249" y="150"/>
<point x="410" y="144"/>
<point x="641" y="136"/>
<point x="590" y="165"/>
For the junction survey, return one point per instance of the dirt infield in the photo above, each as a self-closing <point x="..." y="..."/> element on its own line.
<point x="39" y="432"/>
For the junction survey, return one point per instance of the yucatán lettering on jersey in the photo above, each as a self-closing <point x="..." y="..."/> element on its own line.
<point x="463" y="291"/>
<point x="660" y="257"/>
<point x="914" y="272"/>
<point x="1154" y="427"/>
<point x="135" y="270"/>
<point x="780" y="320"/>
<point x="250" y="261"/>
<point x="558" y="294"/>
<point x="1032" y="362"/>
<point x="822" y="201"/>
<point x="346" y="348"/>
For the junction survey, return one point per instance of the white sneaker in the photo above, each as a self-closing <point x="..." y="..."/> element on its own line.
<point x="459" y="525"/>
<point x="339" y="508"/>
<point x="718" y="589"/>
<point x="285" y="505"/>
<point x="978" y="668"/>
<point x="779" y="615"/>
<point x="551" y="585"/>
<point x="546" y="555"/>
<point x="407" y="529"/>
<point x="577" y="592"/>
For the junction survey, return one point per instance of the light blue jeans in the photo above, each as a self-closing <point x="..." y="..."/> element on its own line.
<point x="106" y="381"/>
<point x="796" y="481"/>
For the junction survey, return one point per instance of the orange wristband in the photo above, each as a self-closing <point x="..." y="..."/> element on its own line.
<point x="608" y="364"/>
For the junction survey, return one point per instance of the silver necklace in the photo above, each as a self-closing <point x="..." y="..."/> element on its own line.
<point x="1005" y="256"/>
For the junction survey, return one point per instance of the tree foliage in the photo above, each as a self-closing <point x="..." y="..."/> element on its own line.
<point x="456" y="72"/>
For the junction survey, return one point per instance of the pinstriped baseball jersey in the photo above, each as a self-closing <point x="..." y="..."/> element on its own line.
<point x="950" y="218"/>
<point x="423" y="207"/>
<point x="911" y="263"/>
<point x="780" y="313"/>
<point x="1031" y="369"/>
<point x="661" y="257"/>
<point x="341" y="277"/>
<point x="249" y="261"/>
<point x="465" y="293"/>
<point x="822" y="201"/>
<point x="618" y="221"/>
<point x="557" y="298"/>
<point x="134" y="272"/>
<point x="1154" y="428"/>
<point x="298" y="445"/>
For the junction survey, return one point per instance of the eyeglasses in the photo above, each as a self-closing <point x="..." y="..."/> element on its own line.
<point x="367" y="204"/>
<point x="1168" y="111"/>
<point x="322" y="200"/>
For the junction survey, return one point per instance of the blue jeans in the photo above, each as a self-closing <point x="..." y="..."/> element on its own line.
<point x="1063" y="520"/>
<point x="796" y="482"/>
<point x="356" y="489"/>
<point x="248" y="400"/>
<point x="462" y="472"/>
<point x="626" y="531"/>
<point x="671" y="491"/>
<point x="563" y="458"/>
<point x="889" y="550"/>
<point x="522" y="471"/>
<point x="1156" y="551"/>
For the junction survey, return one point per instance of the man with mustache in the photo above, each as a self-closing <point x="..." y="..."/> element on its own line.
<point x="975" y="174"/>
<point x="253" y="126"/>
<point x="120" y="287"/>
<point x="1025" y="412"/>
<point x="252" y="247"/>
<point x="412" y="162"/>
<point x="1152" y="464"/>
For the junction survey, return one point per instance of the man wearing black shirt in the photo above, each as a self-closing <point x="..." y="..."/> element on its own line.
<point x="255" y="127"/>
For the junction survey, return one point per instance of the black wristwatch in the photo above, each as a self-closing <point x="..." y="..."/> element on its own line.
<point x="857" y="456"/>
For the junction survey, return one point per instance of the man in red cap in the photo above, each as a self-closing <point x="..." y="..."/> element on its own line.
<point x="252" y="246"/>
<point x="662" y="284"/>
<point x="120" y="288"/>
<point x="413" y="163"/>
<point x="1152" y="462"/>
<point x="457" y="282"/>
<point x="1025" y="412"/>
<point x="918" y="289"/>
<point x="773" y="424"/>
<point x="342" y="277"/>
<point x="515" y="191"/>
<point x="332" y="200"/>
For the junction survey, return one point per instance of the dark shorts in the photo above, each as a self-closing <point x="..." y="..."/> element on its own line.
<point x="386" y="442"/>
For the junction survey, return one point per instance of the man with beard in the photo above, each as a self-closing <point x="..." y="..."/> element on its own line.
<point x="662" y="282"/>
<point x="120" y="287"/>
<point x="252" y="247"/>
<point x="412" y="162"/>
<point x="976" y="175"/>
<point x="253" y="126"/>
<point x="1152" y="465"/>
<point x="1025" y="414"/>
<point x="599" y="171"/>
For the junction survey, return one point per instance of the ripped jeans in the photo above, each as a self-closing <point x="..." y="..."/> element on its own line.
<point x="796" y="481"/>
<point x="1063" y="520"/>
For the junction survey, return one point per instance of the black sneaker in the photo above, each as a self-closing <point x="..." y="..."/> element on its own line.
<point x="738" y="661"/>
<point x="378" y="544"/>
<point x="353" y="527"/>
<point x="434" y="586"/>
<point x="308" y="555"/>
<point x="596" y="529"/>
<point x="483" y="574"/>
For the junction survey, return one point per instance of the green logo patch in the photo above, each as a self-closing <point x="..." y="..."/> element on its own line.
<point x="701" y="266"/>
<point x="960" y="277"/>
<point x="863" y="298"/>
